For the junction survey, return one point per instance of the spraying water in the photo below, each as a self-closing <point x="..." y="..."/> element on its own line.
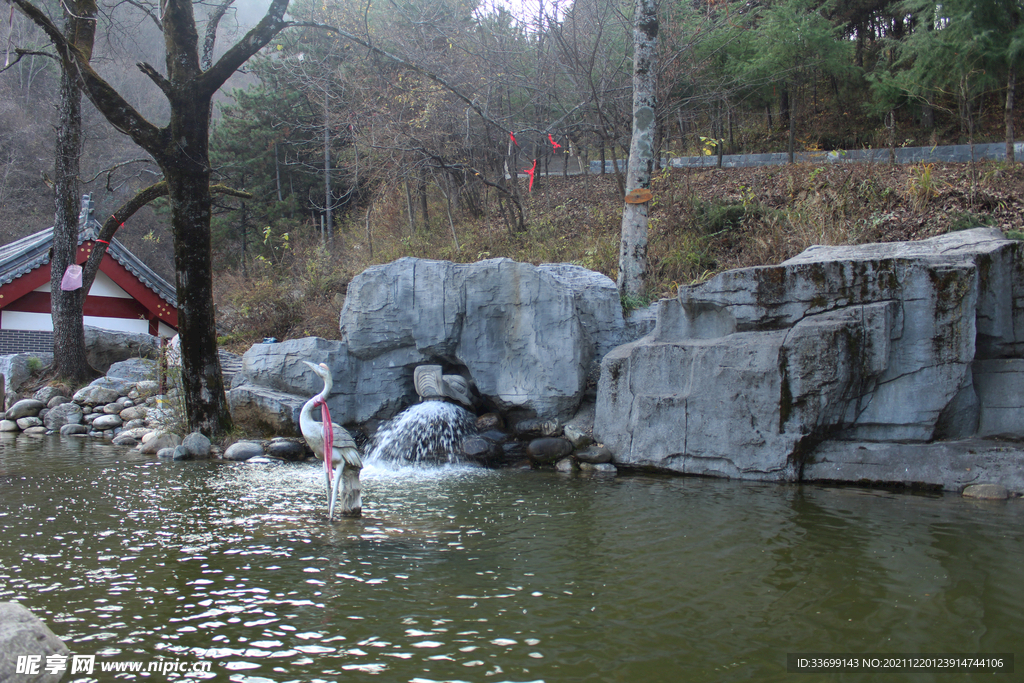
<point x="426" y="433"/>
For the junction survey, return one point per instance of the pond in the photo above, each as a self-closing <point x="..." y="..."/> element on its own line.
<point x="463" y="574"/>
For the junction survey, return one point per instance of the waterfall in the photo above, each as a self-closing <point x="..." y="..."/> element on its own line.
<point x="430" y="433"/>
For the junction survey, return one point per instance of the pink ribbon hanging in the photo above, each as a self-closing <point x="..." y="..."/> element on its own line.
<point x="325" y="413"/>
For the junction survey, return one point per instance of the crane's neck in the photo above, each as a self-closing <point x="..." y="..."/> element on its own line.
<point x="307" y="408"/>
<point x="322" y="396"/>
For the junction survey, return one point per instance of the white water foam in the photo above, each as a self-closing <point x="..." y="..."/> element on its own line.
<point x="426" y="433"/>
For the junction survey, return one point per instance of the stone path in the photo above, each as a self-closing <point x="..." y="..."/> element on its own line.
<point x="230" y="365"/>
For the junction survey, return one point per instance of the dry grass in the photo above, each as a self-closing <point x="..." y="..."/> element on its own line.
<point x="701" y="222"/>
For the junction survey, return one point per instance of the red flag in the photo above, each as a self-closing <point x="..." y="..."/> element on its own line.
<point x="529" y="172"/>
<point x="513" y="136"/>
<point x="554" y="145"/>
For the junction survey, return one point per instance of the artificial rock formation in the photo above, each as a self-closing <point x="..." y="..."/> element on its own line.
<point x="760" y="372"/>
<point x="526" y="337"/>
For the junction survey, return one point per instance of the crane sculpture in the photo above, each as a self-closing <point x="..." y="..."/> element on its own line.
<point x="342" y="462"/>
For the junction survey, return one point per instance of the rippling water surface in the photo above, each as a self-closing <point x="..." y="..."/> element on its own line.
<point x="476" y="575"/>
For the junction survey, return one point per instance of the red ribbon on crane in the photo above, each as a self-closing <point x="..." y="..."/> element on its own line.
<point x="325" y="413"/>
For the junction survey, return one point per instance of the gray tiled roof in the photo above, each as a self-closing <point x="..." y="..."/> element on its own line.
<point x="25" y="255"/>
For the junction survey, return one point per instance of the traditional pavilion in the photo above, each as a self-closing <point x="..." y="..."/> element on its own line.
<point x="127" y="295"/>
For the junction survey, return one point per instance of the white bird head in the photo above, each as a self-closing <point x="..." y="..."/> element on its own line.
<point x="323" y="372"/>
<point x="318" y="368"/>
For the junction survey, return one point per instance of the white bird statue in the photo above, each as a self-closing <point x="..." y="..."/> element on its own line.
<point x="344" y="463"/>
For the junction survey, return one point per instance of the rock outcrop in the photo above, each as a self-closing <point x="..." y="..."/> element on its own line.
<point x="106" y="347"/>
<point x="22" y="634"/>
<point x="526" y="337"/>
<point x="759" y="372"/>
<point x="15" y="370"/>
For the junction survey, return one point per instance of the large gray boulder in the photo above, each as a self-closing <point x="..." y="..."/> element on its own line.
<point x="157" y="441"/>
<point x="526" y="337"/>
<point x="197" y="445"/>
<point x="276" y="384"/>
<point x="135" y="369"/>
<point x="63" y="414"/>
<point x="107" y="422"/>
<point x="746" y="375"/>
<point x="24" y="634"/>
<point x="15" y="370"/>
<point x="24" y="408"/>
<point x="103" y="347"/>
<point x="94" y="395"/>
<point x="48" y="393"/>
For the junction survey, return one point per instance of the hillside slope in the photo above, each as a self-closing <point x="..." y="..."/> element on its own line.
<point x="701" y="222"/>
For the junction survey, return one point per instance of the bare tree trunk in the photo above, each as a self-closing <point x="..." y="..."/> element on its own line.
<point x="619" y="184"/>
<point x="1011" y="86"/>
<point x="784" y="112"/>
<point x="448" y="199"/>
<point x="633" y="248"/>
<point x="732" y="139"/>
<point x="213" y="21"/>
<point x="277" y="174"/>
<point x="584" y="162"/>
<point x="890" y="123"/>
<point x="243" y="209"/>
<point x="422" y="191"/>
<point x="792" y="138"/>
<point x="328" y="199"/>
<point x="369" y="235"/>
<point x="181" y="148"/>
<point x="409" y="208"/>
<point x="203" y="385"/>
<point x="69" y="356"/>
<point x="66" y="305"/>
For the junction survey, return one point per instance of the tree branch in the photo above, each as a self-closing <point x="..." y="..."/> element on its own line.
<point x="28" y="53"/>
<point x="407" y="64"/>
<point x="156" y="77"/>
<point x="211" y="34"/>
<point x="111" y="225"/>
<point x="149" y="10"/>
<point x="109" y="171"/>
<point x="126" y="211"/>
<point x="230" y="191"/>
<point x="115" y="108"/>
<point x="261" y="34"/>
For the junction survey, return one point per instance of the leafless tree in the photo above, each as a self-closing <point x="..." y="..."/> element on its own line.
<point x="633" y="247"/>
<point x="181" y="149"/>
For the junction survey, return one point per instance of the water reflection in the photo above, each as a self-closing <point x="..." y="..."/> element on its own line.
<point x="469" y="574"/>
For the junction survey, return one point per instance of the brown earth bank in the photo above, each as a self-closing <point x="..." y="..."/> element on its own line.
<point x="706" y="221"/>
<point x="701" y="222"/>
